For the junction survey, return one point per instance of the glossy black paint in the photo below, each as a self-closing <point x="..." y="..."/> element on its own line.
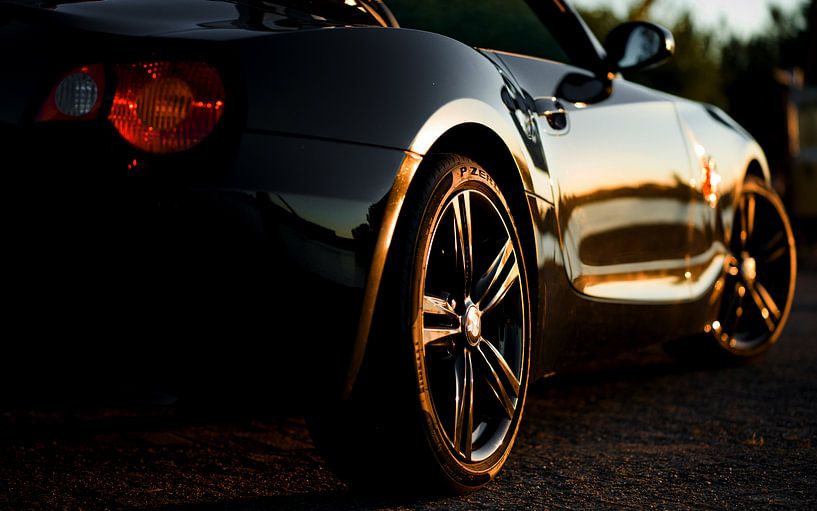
<point x="297" y="184"/>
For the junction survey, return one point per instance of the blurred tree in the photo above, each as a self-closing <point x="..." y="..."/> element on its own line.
<point x="759" y="74"/>
<point x="752" y="78"/>
<point x="601" y="20"/>
<point x="508" y="25"/>
<point x="640" y="11"/>
<point x="694" y="72"/>
<point x="811" y="43"/>
<point x="783" y="45"/>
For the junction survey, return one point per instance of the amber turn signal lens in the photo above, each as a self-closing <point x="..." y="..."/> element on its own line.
<point x="165" y="107"/>
<point x="164" y="103"/>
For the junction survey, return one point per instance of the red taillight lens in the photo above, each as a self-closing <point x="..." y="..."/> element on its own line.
<point x="76" y="96"/>
<point x="164" y="107"/>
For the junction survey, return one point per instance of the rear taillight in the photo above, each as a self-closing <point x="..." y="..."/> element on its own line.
<point x="76" y="96"/>
<point x="164" y="107"/>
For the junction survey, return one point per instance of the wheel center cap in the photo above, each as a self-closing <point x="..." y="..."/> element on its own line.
<point x="748" y="267"/>
<point x="473" y="325"/>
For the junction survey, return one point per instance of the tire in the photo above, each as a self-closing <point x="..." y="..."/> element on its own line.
<point x="757" y="287"/>
<point x="439" y="400"/>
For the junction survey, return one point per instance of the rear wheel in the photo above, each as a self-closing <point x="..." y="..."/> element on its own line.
<point x="447" y="369"/>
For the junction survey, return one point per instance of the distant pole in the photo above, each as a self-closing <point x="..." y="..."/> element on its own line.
<point x="811" y="53"/>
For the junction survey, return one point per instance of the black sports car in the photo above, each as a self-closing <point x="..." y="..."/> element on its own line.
<point x="403" y="227"/>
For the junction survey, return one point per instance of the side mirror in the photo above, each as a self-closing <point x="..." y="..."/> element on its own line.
<point x="638" y="45"/>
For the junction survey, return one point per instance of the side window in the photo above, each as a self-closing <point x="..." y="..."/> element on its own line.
<point x="506" y="25"/>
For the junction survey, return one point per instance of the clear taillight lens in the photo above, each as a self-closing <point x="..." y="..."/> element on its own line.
<point x="77" y="95"/>
<point x="165" y="107"/>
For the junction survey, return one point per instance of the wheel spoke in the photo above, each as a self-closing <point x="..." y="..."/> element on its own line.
<point x="498" y="364"/>
<point x="463" y="241"/>
<point x="761" y="308"/>
<point x="750" y="217"/>
<point x="737" y="304"/>
<point x="777" y="254"/>
<point x="447" y="322"/>
<point x="765" y="305"/>
<point x="734" y="302"/>
<point x="499" y="377"/>
<point x="439" y="307"/>
<point x="774" y="249"/>
<point x="439" y="337"/>
<point x="499" y="278"/>
<point x="747" y="219"/>
<point x="768" y="300"/>
<point x="464" y="404"/>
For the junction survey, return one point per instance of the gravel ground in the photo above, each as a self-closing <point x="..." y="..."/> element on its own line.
<point x="634" y="432"/>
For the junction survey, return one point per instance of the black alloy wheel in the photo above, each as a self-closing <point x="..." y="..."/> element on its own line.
<point x="440" y="395"/>
<point x="471" y="334"/>
<point x="758" y="288"/>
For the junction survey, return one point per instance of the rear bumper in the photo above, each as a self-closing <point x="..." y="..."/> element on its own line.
<point x="246" y="264"/>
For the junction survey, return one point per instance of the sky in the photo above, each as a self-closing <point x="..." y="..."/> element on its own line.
<point x="743" y="17"/>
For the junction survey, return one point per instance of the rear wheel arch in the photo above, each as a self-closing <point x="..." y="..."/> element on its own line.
<point x="354" y="434"/>
<point x="484" y="146"/>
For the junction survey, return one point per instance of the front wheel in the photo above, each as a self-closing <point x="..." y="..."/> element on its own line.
<point x="447" y="369"/>
<point x="761" y="273"/>
<point x="757" y="287"/>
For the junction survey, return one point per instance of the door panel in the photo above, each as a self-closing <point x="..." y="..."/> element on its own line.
<point x="620" y="174"/>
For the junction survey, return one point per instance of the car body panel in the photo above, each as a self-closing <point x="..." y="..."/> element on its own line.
<point x="717" y="140"/>
<point x="619" y="172"/>
<point x="574" y="327"/>
<point x="141" y="18"/>
<point x="174" y="267"/>
<point x="326" y="127"/>
<point x="388" y="99"/>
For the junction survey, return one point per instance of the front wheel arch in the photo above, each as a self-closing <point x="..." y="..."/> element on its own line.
<point x="754" y="169"/>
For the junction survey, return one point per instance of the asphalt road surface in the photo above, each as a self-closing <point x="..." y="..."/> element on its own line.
<point x="635" y="432"/>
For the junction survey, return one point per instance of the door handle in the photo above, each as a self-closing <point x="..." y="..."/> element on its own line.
<point x="554" y="113"/>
